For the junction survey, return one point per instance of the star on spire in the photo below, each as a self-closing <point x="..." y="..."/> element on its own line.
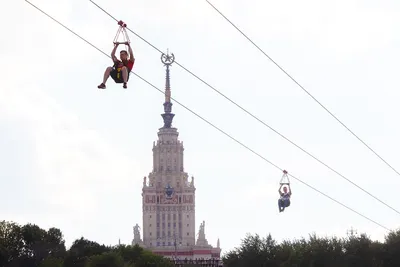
<point x="167" y="60"/>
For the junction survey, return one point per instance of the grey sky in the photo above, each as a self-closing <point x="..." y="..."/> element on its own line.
<point x="74" y="157"/>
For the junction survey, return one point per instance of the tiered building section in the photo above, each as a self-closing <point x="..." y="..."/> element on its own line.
<point x="168" y="197"/>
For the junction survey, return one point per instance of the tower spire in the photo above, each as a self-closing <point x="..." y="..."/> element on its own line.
<point x="167" y="60"/>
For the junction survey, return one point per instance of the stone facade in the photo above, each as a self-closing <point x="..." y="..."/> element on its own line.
<point x="168" y="198"/>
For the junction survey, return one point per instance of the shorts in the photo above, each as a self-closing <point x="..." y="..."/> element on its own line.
<point x="117" y="75"/>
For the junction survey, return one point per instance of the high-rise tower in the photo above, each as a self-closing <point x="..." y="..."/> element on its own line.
<point x="168" y="197"/>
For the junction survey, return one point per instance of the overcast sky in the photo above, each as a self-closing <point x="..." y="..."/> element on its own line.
<point x="74" y="157"/>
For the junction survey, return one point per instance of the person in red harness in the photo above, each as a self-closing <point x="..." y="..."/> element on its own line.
<point x="121" y="69"/>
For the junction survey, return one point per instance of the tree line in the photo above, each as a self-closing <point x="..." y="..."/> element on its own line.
<point x="31" y="246"/>
<point x="352" y="251"/>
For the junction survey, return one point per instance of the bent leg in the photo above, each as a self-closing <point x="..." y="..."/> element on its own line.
<point x="124" y="71"/>
<point x="105" y="78"/>
<point x="286" y="203"/>
<point x="107" y="74"/>
<point x="281" y="205"/>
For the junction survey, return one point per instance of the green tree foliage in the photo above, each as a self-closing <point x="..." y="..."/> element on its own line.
<point x="31" y="246"/>
<point x="52" y="262"/>
<point x="11" y="243"/>
<point x="353" y="251"/>
<point x="106" y="259"/>
<point x="81" y="250"/>
<point x="28" y="245"/>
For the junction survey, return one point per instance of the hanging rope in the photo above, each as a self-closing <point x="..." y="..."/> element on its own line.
<point x="122" y="30"/>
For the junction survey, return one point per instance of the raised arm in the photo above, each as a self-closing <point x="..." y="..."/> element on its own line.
<point x="279" y="190"/>
<point x="114" y="58"/>
<point x="131" y="56"/>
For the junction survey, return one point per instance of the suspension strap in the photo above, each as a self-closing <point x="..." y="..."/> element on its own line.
<point x="285" y="178"/>
<point x="122" y="30"/>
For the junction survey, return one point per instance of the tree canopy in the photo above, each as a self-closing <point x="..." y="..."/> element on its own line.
<point x="352" y="251"/>
<point x="31" y="246"/>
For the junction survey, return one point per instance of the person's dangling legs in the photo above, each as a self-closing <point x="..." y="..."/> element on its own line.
<point x="286" y="203"/>
<point x="105" y="78"/>
<point x="281" y="205"/>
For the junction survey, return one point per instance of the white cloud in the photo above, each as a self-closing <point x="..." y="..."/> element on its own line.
<point x="74" y="165"/>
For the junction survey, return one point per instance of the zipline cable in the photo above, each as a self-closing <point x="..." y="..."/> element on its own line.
<point x="326" y="109"/>
<point x="259" y="120"/>
<point x="212" y="125"/>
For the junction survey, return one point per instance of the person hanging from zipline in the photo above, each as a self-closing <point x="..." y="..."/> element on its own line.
<point x="122" y="67"/>
<point x="284" y="200"/>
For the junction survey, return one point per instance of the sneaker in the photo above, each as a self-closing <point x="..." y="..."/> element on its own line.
<point x="125" y="86"/>
<point x="102" y="86"/>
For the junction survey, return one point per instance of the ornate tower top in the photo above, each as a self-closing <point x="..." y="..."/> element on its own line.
<point x="167" y="60"/>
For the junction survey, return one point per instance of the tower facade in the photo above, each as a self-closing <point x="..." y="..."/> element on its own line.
<point x="168" y="196"/>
